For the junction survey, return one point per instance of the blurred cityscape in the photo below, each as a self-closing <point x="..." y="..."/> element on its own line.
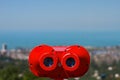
<point x="105" y="64"/>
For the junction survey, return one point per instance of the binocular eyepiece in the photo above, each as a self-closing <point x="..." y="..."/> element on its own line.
<point x="59" y="61"/>
<point x="48" y="61"/>
<point x="70" y="62"/>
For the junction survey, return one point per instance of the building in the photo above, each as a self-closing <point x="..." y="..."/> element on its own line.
<point x="4" y="49"/>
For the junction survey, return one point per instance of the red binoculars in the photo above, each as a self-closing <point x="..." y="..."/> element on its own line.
<point x="59" y="62"/>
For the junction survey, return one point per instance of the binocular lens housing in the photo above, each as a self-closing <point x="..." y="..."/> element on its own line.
<point x="59" y="62"/>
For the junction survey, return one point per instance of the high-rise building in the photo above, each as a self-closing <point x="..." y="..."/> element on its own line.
<point x="4" y="49"/>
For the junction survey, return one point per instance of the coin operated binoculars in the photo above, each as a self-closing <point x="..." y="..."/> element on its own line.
<point x="59" y="62"/>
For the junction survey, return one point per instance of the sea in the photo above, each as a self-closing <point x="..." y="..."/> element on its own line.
<point x="88" y="38"/>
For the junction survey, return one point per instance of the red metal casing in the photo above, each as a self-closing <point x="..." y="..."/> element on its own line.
<point x="76" y="55"/>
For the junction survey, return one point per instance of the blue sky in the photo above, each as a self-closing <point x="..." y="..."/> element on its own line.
<point x="59" y="15"/>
